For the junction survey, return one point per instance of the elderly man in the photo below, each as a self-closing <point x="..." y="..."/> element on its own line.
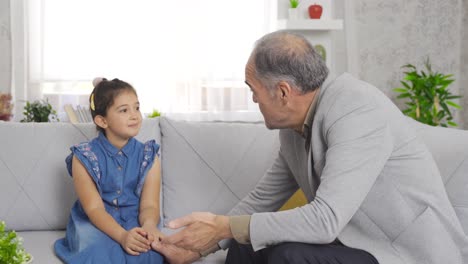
<point x="375" y="193"/>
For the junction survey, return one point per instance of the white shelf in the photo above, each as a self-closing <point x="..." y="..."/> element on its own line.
<point x="311" y="24"/>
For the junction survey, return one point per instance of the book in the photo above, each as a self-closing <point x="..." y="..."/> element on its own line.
<point x="81" y="114"/>
<point x="71" y="114"/>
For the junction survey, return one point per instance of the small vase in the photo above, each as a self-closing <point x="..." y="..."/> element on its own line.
<point x="320" y="49"/>
<point x="293" y="13"/>
<point x="5" y="117"/>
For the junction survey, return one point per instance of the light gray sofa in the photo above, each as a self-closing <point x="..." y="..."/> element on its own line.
<point x="206" y="166"/>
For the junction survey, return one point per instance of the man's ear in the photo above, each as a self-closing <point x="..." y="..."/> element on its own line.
<point x="284" y="90"/>
<point x="100" y="121"/>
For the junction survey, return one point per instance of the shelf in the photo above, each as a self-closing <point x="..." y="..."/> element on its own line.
<point x="311" y="24"/>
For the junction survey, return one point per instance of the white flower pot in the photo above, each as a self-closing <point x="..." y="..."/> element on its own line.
<point x="293" y="13"/>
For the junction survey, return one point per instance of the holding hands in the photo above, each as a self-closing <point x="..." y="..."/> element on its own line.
<point x="153" y="232"/>
<point x="201" y="231"/>
<point x="175" y="255"/>
<point x="135" y="241"/>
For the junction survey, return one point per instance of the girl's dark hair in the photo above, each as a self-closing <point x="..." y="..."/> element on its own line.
<point x="103" y="95"/>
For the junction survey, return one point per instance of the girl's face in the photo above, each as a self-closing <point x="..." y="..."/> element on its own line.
<point x="123" y="119"/>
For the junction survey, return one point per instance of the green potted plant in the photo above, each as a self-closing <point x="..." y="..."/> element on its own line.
<point x="429" y="100"/>
<point x="293" y="9"/>
<point x="294" y="3"/>
<point x="154" y="114"/>
<point x="11" y="247"/>
<point x="39" y="111"/>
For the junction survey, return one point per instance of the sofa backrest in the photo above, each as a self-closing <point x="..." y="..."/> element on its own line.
<point x="210" y="166"/>
<point x="36" y="192"/>
<point x="206" y="166"/>
<point x="449" y="147"/>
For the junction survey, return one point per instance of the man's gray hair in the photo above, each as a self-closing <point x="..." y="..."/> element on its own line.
<point x="286" y="56"/>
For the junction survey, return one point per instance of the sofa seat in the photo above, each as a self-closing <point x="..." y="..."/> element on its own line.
<point x="40" y="244"/>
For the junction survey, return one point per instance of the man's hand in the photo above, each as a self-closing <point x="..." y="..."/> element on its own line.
<point x="175" y="255"/>
<point x="202" y="230"/>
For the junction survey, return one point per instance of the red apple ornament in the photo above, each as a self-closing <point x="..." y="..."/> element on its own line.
<point x="315" y="11"/>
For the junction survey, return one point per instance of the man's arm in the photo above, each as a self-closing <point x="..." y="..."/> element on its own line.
<point x="273" y="189"/>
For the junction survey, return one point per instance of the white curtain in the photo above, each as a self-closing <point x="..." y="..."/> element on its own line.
<point x="181" y="56"/>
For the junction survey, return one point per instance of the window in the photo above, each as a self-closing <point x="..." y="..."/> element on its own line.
<point x="188" y="56"/>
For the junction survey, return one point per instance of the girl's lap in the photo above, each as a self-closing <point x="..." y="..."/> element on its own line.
<point x="87" y="244"/>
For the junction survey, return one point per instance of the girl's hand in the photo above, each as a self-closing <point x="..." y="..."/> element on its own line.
<point x="135" y="241"/>
<point x="153" y="233"/>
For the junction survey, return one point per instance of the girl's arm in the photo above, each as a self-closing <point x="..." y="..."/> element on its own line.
<point x="149" y="201"/>
<point x="94" y="208"/>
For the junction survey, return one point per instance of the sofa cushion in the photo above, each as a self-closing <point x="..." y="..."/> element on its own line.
<point x="203" y="173"/>
<point x="35" y="183"/>
<point x="40" y="244"/>
<point x="36" y="193"/>
<point x="449" y="147"/>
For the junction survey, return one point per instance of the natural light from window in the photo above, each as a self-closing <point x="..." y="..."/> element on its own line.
<point x="181" y="56"/>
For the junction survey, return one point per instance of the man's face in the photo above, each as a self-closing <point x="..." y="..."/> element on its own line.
<point x="268" y="101"/>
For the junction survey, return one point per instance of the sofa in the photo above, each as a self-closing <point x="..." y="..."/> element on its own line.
<point x="206" y="166"/>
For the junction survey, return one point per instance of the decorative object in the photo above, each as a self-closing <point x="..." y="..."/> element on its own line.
<point x="294" y="3"/>
<point x="6" y="107"/>
<point x="293" y="10"/>
<point x="429" y="98"/>
<point x="320" y="49"/>
<point x="315" y="11"/>
<point x="39" y="111"/>
<point x="11" y="247"/>
<point x="154" y="114"/>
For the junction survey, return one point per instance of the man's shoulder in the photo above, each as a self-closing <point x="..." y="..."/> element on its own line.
<point x="347" y="87"/>
<point x="345" y="94"/>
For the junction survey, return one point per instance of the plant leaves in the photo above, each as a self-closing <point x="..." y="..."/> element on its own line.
<point x="400" y="90"/>
<point x="452" y="123"/>
<point x="428" y="94"/>
<point x="453" y="104"/>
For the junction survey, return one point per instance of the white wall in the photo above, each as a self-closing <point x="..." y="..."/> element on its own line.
<point x="463" y="77"/>
<point x="5" y="47"/>
<point x="392" y="33"/>
<point x="380" y="36"/>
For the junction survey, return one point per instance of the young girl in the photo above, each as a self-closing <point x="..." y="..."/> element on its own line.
<point x="117" y="180"/>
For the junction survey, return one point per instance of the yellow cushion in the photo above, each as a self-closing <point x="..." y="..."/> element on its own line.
<point x="297" y="199"/>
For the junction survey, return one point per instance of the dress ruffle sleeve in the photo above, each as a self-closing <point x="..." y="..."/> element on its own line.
<point x="150" y="151"/>
<point x="88" y="158"/>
